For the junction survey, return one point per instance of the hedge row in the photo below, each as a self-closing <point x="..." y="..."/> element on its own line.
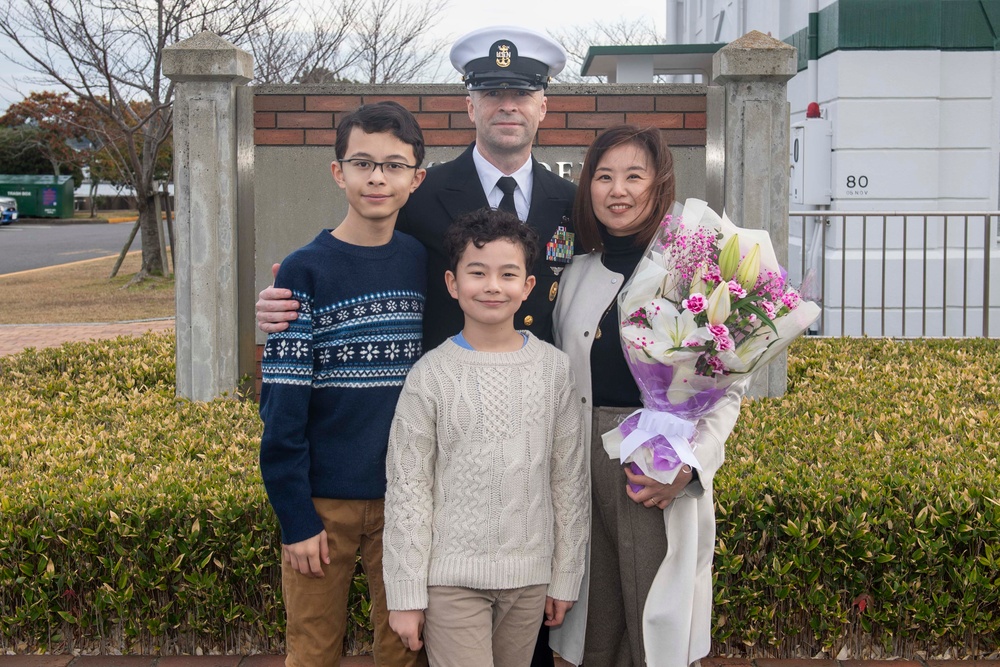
<point x="862" y="508"/>
<point x="131" y="519"/>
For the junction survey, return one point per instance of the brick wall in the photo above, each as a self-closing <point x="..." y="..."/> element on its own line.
<point x="572" y="119"/>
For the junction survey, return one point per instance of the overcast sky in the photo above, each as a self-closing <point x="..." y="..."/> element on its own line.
<point x="461" y="16"/>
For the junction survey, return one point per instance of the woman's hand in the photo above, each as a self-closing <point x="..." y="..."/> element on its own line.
<point x="653" y="493"/>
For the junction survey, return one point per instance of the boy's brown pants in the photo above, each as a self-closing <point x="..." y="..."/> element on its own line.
<point x="317" y="607"/>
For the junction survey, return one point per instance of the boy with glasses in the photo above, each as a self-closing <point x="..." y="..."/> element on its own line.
<point x="330" y="384"/>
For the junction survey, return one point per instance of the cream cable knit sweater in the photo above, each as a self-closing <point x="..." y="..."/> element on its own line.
<point x="488" y="482"/>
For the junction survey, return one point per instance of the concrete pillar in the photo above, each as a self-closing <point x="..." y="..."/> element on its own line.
<point x="755" y="70"/>
<point x="207" y="71"/>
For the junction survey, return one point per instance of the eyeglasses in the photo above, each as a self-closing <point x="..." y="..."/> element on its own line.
<point x="363" y="167"/>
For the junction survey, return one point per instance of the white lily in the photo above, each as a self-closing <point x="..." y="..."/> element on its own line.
<point x="749" y="238"/>
<point x="749" y="269"/>
<point x="670" y="330"/>
<point x="647" y="280"/>
<point x="729" y="257"/>
<point x="719" y="306"/>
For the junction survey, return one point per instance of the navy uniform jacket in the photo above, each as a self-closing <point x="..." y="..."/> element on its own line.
<point x="452" y="189"/>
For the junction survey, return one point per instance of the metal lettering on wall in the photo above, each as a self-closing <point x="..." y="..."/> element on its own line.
<point x="566" y="168"/>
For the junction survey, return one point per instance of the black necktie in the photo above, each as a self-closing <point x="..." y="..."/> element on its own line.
<point x="507" y="185"/>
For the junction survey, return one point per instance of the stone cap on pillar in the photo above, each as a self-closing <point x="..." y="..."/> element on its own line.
<point x="206" y="56"/>
<point x="755" y="56"/>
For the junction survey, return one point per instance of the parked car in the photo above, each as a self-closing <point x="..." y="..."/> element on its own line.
<point x="8" y="210"/>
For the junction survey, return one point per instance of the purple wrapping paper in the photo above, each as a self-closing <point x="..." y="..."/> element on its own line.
<point x="654" y="381"/>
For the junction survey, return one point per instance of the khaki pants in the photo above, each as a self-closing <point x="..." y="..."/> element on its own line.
<point x="317" y="608"/>
<point x="469" y="627"/>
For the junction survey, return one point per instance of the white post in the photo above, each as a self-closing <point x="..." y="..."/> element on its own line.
<point x="755" y="70"/>
<point x="207" y="71"/>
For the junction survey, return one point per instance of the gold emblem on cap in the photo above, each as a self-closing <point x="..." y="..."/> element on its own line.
<point x="528" y="320"/>
<point x="503" y="56"/>
<point x="553" y="290"/>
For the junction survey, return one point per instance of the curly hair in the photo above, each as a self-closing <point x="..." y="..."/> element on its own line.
<point x="484" y="226"/>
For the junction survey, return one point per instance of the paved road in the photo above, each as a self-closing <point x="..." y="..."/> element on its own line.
<point x="36" y="245"/>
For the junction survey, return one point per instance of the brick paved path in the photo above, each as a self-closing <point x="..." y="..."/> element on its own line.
<point x="16" y="337"/>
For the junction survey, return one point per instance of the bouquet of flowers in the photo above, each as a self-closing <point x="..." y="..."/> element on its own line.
<point x="707" y="305"/>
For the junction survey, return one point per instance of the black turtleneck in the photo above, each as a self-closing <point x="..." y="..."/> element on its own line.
<point x="610" y="377"/>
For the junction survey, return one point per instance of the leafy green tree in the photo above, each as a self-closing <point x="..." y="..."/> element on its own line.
<point x="19" y="152"/>
<point x="58" y="135"/>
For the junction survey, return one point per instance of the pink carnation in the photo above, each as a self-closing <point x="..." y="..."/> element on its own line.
<point x="696" y="303"/>
<point x="718" y="330"/>
<point x="769" y="309"/>
<point x="715" y="363"/>
<point x="736" y="290"/>
<point x="724" y="343"/>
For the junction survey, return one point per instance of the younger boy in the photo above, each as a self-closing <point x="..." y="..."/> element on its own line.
<point x="330" y="387"/>
<point x="487" y="504"/>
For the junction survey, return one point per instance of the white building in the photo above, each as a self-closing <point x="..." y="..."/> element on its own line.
<point x="909" y="92"/>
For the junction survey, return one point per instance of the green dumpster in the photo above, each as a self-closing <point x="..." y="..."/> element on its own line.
<point x="40" y="196"/>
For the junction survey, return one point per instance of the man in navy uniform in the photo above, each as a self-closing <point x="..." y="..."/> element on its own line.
<point x="506" y="71"/>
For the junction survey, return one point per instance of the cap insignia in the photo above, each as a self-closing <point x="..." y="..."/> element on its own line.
<point x="503" y="55"/>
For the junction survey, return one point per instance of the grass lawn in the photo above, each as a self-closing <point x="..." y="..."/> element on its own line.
<point x="82" y="292"/>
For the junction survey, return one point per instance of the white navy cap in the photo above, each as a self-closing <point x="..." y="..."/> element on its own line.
<point x="507" y="57"/>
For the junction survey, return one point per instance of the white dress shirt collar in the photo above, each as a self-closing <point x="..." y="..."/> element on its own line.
<point x="489" y="175"/>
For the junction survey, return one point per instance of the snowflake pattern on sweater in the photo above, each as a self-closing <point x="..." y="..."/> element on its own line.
<point x="331" y="380"/>
<point x="370" y="340"/>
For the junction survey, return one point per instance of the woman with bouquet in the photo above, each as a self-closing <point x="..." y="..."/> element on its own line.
<point x="626" y="189"/>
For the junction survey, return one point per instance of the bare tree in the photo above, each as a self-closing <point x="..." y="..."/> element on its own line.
<point x="313" y="48"/>
<point x="108" y="53"/>
<point x="577" y="39"/>
<point x="381" y="41"/>
<point x="389" y="40"/>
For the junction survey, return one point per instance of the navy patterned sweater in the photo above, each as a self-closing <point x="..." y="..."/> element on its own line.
<point x="331" y="380"/>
